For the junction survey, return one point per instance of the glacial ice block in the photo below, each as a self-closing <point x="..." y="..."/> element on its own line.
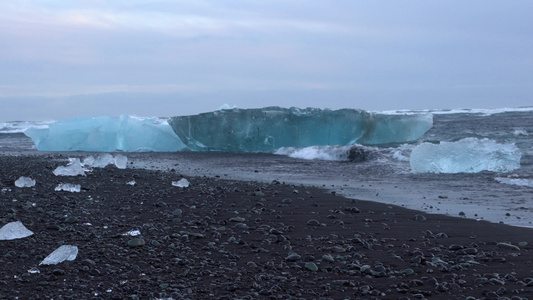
<point x="469" y="155"/>
<point x="65" y="252"/>
<point x="14" y="230"/>
<point x="24" y="182"/>
<point x="106" y="134"/>
<point x="267" y="129"/>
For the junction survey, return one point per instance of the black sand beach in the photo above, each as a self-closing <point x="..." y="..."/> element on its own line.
<point x="224" y="239"/>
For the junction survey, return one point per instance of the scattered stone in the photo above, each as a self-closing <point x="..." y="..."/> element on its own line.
<point x="134" y="243"/>
<point x="420" y="218"/>
<point x="311" y="266"/>
<point x="328" y="258"/>
<point x="508" y="246"/>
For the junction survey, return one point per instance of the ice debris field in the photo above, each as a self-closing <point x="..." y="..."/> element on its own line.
<point x="75" y="167"/>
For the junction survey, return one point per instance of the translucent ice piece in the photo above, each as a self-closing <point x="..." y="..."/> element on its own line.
<point x="74" y="168"/>
<point x="270" y="128"/>
<point x="14" y="230"/>
<point x="100" y="161"/>
<point x="68" y="187"/>
<point x="106" y="134"/>
<point x="121" y="161"/>
<point x="65" y="252"/>
<point x="469" y="155"/>
<point x="24" y="182"/>
<point x="132" y="233"/>
<point x="182" y="183"/>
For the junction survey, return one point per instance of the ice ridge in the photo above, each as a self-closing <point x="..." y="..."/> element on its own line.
<point x="270" y="128"/>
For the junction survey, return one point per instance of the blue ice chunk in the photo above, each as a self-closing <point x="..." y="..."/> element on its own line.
<point x="267" y="129"/>
<point x="65" y="252"/>
<point x="469" y="155"/>
<point x="106" y="134"/>
<point x="14" y="230"/>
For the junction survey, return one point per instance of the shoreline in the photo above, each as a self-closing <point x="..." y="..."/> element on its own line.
<point x="223" y="238"/>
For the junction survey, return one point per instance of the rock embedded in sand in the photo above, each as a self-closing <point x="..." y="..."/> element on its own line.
<point x="313" y="222"/>
<point x="311" y="266"/>
<point x="134" y="243"/>
<point x="420" y="218"/>
<point x="508" y="246"/>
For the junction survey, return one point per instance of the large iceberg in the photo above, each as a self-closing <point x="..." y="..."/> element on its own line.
<point x="106" y="134"/>
<point x="469" y="155"/>
<point x="267" y="129"/>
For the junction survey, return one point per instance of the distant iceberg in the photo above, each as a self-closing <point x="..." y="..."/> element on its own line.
<point x="469" y="155"/>
<point x="270" y="128"/>
<point x="106" y="134"/>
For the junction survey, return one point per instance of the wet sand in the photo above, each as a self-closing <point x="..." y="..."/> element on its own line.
<point x="228" y="239"/>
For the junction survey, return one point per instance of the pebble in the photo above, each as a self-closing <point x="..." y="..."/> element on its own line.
<point x="328" y="258"/>
<point x="508" y="246"/>
<point x="311" y="266"/>
<point x="313" y="222"/>
<point x="136" y="243"/>
<point x="420" y="218"/>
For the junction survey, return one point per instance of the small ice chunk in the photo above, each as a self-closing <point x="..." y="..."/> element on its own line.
<point x="182" y="183"/>
<point x="121" y="161"/>
<point x="34" y="270"/>
<point x="74" y="168"/>
<point x="24" y="182"/>
<point x="14" y="230"/>
<point x="132" y="183"/>
<point x="65" y="252"/>
<point x="100" y="161"/>
<point x="132" y="233"/>
<point x="68" y="187"/>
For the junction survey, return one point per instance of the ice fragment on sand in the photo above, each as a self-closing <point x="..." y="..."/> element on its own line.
<point x="515" y="181"/>
<point x="74" y="168"/>
<point x="132" y="183"/>
<point x="65" y="252"/>
<point x="469" y="155"/>
<point x="68" y="187"/>
<point x="103" y="160"/>
<point x="270" y="128"/>
<point x="182" y="183"/>
<point x="132" y="233"/>
<point x="24" y="182"/>
<point x="34" y="270"/>
<point x="100" y="161"/>
<point x="14" y="230"/>
<point x="106" y="134"/>
<point x="121" y="161"/>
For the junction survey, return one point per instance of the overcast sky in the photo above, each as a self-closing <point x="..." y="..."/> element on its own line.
<point x="61" y="59"/>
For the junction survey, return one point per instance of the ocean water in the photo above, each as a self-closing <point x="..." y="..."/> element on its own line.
<point x="490" y="178"/>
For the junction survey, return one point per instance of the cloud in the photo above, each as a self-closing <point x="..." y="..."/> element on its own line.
<point x="388" y="51"/>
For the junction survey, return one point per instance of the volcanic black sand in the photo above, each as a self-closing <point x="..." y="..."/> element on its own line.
<point x="222" y="239"/>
